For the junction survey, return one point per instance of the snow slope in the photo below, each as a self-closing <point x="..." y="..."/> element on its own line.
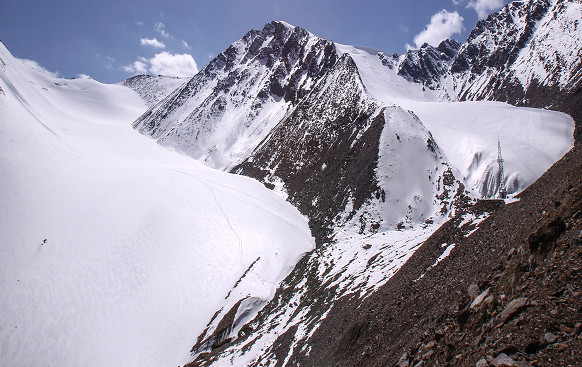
<point x="115" y="251"/>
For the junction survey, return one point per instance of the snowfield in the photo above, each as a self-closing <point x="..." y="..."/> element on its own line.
<point x="115" y="251"/>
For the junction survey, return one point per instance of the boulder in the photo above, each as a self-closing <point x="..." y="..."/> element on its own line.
<point x="473" y="291"/>
<point x="503" y="360"/>
<point x="479" y="299"/>
<point x="513" y="308"/>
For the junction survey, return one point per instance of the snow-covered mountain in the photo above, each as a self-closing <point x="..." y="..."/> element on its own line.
<point x="235" y="101"/>
<point x="342" y="157"/>
<point x="374" y="146"/>
<point x="115" y="251"/>
<point x="377" y="146"/>
<point x="139" y="253"/>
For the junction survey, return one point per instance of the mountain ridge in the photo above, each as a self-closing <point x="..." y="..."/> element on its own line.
<point x="387" y="255"/>
<point x="441" y="74"/>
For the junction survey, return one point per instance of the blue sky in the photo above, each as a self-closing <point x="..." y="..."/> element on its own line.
<point x="111" y="40"/>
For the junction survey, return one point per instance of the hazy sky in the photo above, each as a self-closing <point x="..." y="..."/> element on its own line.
<point x="111" y="40"/>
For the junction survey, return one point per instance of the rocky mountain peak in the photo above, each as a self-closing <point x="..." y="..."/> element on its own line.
<point x="233" y="103"/>
<point x="449" y="48"/>
<point x="428" y="64"/>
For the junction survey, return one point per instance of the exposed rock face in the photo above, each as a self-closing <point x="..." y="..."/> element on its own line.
<point x="533" y="316"/>
<point x="428" y="64"/>
<point x="531" y="309"/>
<point x="325" y="150"/>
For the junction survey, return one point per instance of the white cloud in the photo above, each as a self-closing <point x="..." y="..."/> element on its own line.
<point x="442" y="26"/>
<point x="484" y="7"/>
<point x="164" y="63"/>
<point x="35" y="66"/>
<point x="152" y="42"/>
<point x="138" y="67"/>
<point x="109" y="61"/>
<point x="186" y="45"/>
<point x="161" y="29"/>
<point x="139" y="22"/>
<point x="173" y="65"/>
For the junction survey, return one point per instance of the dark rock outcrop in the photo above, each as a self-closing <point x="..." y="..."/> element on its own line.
<point x="429" y="64"/>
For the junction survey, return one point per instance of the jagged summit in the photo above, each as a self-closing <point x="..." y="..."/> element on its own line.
<point x="449" y="48"/>
<point x="233" y="103"/>
<point x="428" y="64"/>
